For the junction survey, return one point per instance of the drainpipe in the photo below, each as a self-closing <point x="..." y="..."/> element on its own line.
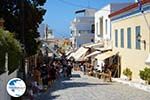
<point x="147" y="61"/>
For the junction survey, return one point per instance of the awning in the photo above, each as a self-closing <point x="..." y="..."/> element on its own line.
<point x="105" y="55"/>
<point x="80" y="53"/>
<point x="92" y="54"/>
<point x="104" y="48"/>
<point x="50" y="54"/>
<point x="93" y="45"/>
<point x="70" y="55"/>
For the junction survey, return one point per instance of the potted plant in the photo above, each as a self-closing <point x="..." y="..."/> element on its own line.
<point x="145" y="75"/>
<point x="127" y="72"/>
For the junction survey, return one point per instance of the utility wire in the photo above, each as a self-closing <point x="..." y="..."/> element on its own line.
<point x="73" y="4"/>
<point x="81" y="6"/>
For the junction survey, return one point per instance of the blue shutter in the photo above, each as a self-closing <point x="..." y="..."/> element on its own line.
<point x="122" y="38"/>
<point x="129" y="37"/>
<point x="116" y="38"/>
<point x="138" y="32"/>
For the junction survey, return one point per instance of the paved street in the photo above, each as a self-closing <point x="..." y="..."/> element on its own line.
<point x="82" y="87"/>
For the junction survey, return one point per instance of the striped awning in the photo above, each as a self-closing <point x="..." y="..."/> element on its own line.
<point x="80" y="53"/>
<point x="105" y="55"/>
<point x="93" y="54"/>
<point x="93" y="45"/>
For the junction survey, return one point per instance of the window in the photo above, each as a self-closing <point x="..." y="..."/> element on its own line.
<point x="116" y="38"/>
<point x="137" y="32"/>
<point x="122" y="38"/>
<point x="129" y="37"/>
<point x="93" y="28"/>
<point x="101" y="26"/>
<point x="92" y="40"/>
<point x="97" y="29"/>
<point x="84" y="31"/>
<point x="72" y="32"/>
<point x="106" y="26"/>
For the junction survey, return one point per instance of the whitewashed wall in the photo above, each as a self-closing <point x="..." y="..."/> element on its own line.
<point x="104" y="13"/>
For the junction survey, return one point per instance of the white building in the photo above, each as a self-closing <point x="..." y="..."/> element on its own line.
<point x="42" y="30"/>
<point x="82" y="27"/>
<point x="49" y="34"/>
<point x="103" y="32"/>
<point x="102" y="21"/>
<point x="45" y="32"/>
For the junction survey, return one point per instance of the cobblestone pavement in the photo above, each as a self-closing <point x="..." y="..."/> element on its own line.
<point x="82" y="87"/>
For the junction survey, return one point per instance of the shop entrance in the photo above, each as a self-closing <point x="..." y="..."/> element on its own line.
<point x="114" y="64"/>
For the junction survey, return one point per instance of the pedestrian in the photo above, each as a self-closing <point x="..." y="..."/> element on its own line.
<point x="30" y="94"/>
<point x="53" y="73"/>
<point x="57" y="67"/>
<point x="65" y="70"/>
<point x="44" y="75"/>
<point x="84" y="68"/>
<point x="69" y="69"/>
<point x="102" y="64"/>
<point x="36" y="74"/>
<point x="64" y="63"/>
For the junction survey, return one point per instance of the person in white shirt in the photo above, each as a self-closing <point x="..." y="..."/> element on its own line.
<point x="100" y="66"/>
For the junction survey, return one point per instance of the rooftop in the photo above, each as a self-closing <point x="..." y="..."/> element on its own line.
<point x="128" y="8"/>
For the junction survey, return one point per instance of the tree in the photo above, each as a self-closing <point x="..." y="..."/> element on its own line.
<point x="145" y="75"/>
<point x="22" y="17"/>
<point x="8" y="44"/>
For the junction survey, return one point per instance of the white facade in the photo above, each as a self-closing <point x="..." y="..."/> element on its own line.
<point x="102" y="21"/>
<point x="50" y="34"/>
<point x="42" y="30"/>
<point x="45" y="32"/>
<point x="82" y="29"/>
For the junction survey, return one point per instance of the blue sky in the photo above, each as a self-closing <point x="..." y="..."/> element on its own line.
<point x="60" y="13"/>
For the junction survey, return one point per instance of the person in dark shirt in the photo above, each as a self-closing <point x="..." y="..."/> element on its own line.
<point x="44" y="75"/>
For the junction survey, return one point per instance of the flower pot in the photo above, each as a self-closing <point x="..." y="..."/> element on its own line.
<point x="147" y="82"/>
<point x="129" y="77"/>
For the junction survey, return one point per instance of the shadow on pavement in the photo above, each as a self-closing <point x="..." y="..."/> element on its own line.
<point x="65" y="83"/>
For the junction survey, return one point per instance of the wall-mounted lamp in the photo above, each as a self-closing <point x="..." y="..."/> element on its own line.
<point x="142" y="41"/>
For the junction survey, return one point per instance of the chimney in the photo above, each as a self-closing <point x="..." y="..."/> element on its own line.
<point x="2" y="23"/>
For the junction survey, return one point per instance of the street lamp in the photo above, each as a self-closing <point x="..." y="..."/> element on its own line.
<point x="142" y="41"/>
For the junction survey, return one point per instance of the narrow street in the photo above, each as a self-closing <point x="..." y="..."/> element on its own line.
<point x="83" y="87"/>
